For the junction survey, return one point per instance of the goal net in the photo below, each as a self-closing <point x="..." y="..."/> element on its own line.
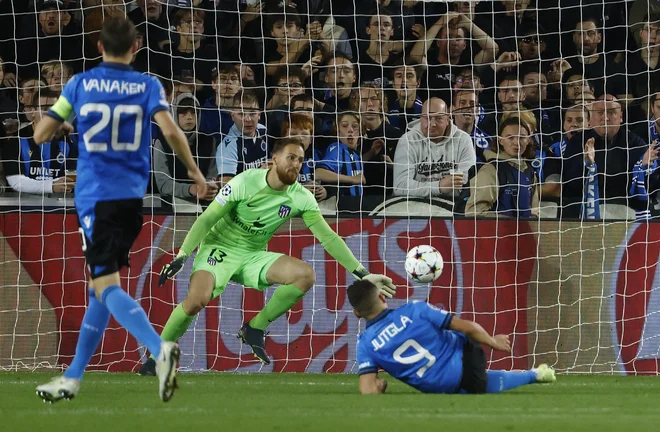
<point x="517" y="137"/>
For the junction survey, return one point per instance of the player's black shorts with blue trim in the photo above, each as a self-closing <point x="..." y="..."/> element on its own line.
<point x="109" y="230"/>
<point x="474" y="379"/>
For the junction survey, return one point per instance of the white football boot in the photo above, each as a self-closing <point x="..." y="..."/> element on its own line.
<point x="166" y="369"/>
<point x="58" y="388"/>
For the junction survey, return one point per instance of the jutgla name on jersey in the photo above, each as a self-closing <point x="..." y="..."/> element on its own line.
<point x="114" y="86"/>
<point x="389" y="332"/>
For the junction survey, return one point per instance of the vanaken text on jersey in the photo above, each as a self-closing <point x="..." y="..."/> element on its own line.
<point x="114" y="86"/>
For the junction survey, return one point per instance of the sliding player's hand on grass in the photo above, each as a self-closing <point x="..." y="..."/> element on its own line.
<point x="170" y="270"/>
<point x="384" y="284"/>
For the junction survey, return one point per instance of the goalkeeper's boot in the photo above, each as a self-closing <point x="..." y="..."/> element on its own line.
<point x="148" y="368"/>
<point x="166" y="369"/>
<point x="545" y="374"/>
<point x="255" y="338"/>
<point x="59" y="388"/>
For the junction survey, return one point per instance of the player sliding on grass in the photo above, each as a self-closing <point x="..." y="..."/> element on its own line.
<point x="234" y="232"/>
<point x="428" y="348"/>
<point x="113" y="106"/>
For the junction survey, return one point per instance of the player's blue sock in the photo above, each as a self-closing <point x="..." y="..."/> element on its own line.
<point x="91" y="332"/>
<point x="499" y="381"/>
<point x="132" y="317"/>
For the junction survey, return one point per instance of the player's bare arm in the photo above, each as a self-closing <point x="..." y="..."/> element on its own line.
<point x="177" y="140"/>
<point x="371" y="384"/>
<point x="49" y="127"/>
<point x="477" y="333"/>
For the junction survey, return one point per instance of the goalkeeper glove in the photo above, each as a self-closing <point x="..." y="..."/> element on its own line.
<point x="170" y="270"/>
<point x="384" y="283"/>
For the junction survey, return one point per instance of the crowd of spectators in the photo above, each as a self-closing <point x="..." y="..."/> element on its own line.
<point x="495" y="107"/>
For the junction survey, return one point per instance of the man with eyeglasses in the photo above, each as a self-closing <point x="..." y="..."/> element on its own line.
<point x="289" y="82"/>
<point x="215" y="118"/>
<point x="607" y="164"/>
<point x="39" y="169"/>
<point x="246" y="144"/>
<point x="340" y="78"/>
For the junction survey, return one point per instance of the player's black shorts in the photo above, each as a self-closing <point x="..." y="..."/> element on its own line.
<point x="474" y="379"/>
<point x="109" y="230"/>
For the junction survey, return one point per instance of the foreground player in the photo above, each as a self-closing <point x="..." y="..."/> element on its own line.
<point x="113" y="106"/>
<point x="429" y="349"/>
<point x="234" y="232"/>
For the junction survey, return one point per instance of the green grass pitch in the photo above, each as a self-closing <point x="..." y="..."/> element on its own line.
<point x="326" y="402"/>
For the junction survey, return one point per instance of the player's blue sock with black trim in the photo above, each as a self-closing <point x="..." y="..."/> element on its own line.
<point x="132" y="317"/>
<point x="91" y="332"/>
<point x="499" y="381"/>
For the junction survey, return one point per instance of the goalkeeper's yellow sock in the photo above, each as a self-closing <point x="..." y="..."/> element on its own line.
<point x="176" y="326"/>
<point x="284" y="297"/>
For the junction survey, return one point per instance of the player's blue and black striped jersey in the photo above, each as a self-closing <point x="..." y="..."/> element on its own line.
<point x="413" y="343"/>
<point x="113" y="106"/>
<point x="238" y="153"/>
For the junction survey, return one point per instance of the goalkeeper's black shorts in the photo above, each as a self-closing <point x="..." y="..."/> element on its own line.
<point x="474" y="379"/>
<point x="109" y="230"/>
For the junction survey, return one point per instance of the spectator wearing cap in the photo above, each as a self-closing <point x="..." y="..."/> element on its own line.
<point x="450" y="53"/>
<point x="404" y="105"/>
<point x="57" y="37"/>
<point x="607" y="164"/>
<point x="379" y="139"/>
<point x="170" y="173"/>
<point x="215" y="118"/>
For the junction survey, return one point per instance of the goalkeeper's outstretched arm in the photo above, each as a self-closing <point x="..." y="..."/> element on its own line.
<point x="198" y="231"/>
<point x="338" y="249"/>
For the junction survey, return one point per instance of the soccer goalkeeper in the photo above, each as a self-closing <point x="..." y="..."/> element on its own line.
<point x="234" y="232"/>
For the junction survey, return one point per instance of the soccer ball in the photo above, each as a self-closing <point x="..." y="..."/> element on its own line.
<point x="424" y="263"/>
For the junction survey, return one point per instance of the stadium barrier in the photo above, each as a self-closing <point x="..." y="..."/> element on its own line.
<point x="579" y="296"/>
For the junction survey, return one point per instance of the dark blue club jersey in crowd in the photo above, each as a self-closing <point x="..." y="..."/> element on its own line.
<point x="413" y="343"/>
<point x="340" y="159"/>
<point x="113" y="106"/>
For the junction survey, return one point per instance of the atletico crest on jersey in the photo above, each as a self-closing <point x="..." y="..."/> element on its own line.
<point x="284" y="211"/>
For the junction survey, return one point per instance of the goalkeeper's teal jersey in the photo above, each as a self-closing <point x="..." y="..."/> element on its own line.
<point x="258" y="211"/>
